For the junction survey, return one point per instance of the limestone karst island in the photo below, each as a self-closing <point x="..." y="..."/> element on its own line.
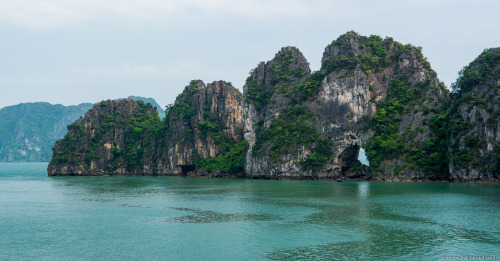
<point x="370" y="93"/>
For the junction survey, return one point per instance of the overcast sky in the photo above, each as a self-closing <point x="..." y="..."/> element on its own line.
<point x="74" y="51"/>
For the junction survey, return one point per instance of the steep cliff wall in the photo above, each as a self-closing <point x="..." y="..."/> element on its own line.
<point x="114" y="138"/>
<point x="475" y="120"/>
<point x="279" y="129"/>
<point x="383" y="95"/>
<point x="370" y="92"/>
<point x="204" y="124"/>
<point x="293" y="123"/>
<point x="201" y="135"/>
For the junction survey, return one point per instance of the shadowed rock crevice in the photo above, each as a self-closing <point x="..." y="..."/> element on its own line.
<point x="349" y="158"/>
<point x="187" y="168"/>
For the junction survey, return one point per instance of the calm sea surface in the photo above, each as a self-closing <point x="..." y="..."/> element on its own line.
<point x="175" y="218"/>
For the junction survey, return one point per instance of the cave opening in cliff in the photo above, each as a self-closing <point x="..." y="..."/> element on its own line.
<point x="187" y="168"/>
<point x="349" y="158"/>
<point x="353" y="161"/>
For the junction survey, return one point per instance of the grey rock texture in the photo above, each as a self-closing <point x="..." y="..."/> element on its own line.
<point x="108" y="141"/>
<point x="202" y="120"/>
<point x="263" y="102"/>
<point x="370" y="93"/>
<point x="349" y="91"/>
<point x="475" y="120"/>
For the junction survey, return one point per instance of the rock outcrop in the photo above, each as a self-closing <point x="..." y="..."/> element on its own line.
<point x="271" y="90"/>
<point x="204" y="122"/>
<point x="475" y="120"/>
<point x="382" y="95"/>
<point x="336" y="109"/>
<point x="202" y="135"/>
<point x="114" y="138"/>
<point x="28" y="131"/>
<point x="370" y="93"/>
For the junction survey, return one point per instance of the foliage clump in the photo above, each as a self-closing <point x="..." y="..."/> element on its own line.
<point x="370" y="54"/>
<point x="230" y="161"/>
<point x="285" y="70"/>
<point x="287" y="133"/>
<point x="476" y="89"/>
<point x="389" y="143"/>
<point x="81" y="147"/>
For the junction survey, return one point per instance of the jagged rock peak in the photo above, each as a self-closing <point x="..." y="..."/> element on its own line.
<point x="359" y="76"/>
<point x="285" y="56"/>
<point x="204" y="122"/>
<point x="370" y="74"/>
<point x="290" y="123"/>
<point x="126" y="107"/>
<point x="343" y="44"/>
<point x="284" y="71"/>
<point x="371" y="54"/>
<point x="193" y="87"/>
<point x="288" y="59"/>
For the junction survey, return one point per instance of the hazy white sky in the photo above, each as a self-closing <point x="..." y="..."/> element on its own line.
<point x="74" y="51"/>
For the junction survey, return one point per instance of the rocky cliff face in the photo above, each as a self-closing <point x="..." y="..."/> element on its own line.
<point x="475" y="120"/>
<point x="201" y="135"/>
<point x="293" y="123"/>
<point x="114" y="138"/>
<point x="336" y="108"/>
<point x="28" y="131"/>
<point x="269" y="92"/>
<point x="204" y="122"/>
<point x="388" y="91"/>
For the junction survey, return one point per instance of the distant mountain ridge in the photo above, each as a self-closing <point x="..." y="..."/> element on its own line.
<point x="28" y="131"/>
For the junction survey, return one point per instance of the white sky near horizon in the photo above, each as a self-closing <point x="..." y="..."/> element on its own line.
<point x="75" y="51"/>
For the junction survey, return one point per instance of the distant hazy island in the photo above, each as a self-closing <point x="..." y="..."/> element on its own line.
<point x="370" y="93"/>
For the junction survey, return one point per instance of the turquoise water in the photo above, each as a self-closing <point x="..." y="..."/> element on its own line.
<point x="175" y="218"/>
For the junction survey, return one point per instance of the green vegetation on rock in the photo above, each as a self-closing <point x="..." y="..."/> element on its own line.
<point x="191" y="124"/>
<point x="285" y="73"/>
<point x="370" y="92"/>
<point x="139" y="132"/>
<point x="371" y="54"/>
<point x="389" y="143"/>
<point x="161" y="111"/>
<point x="291" y="130"/>
<point x="127" y="136"/>
<point x="474" y="115"/>
<point x="231" y="161"/>
<point x="302" y="91"/>
<point x="29" y="130"/>
<point x="287" y="77"/>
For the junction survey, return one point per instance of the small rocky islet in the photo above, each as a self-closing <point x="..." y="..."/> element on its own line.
<point x="28" y="131"/>
<point x="293" y="123"/>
